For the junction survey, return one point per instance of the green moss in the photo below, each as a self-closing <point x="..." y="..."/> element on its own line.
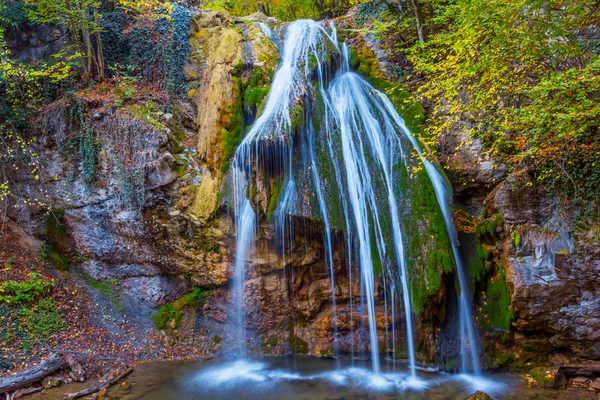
<point x="273" y="341"/>
<point x="274" y="194"/>
<point x="181" y="166"/>
<point x="516" y="237"/>
<point x="60" y="262"/>
<point x="429" y="245"/>
<point x="542" y="376"/>
<point x="217" y="339"/>
<point x="171" y="314"/>
<point x="109" y="289"/>
<point x="450" y="366"/>
<point x="485" y="237"/>
<point x="299" y="346"/>
<point x="147" y="112"/>
<point x="56" y="232"/>
<point x="497" y="310"/>
<point x="354" y="59"/>
<point x="406" y="105"/>
<point x="255" y="90"/>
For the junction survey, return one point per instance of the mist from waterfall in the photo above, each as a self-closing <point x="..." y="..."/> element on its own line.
<point x="365" y="143"/>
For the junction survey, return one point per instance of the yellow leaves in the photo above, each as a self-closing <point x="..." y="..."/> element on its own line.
<point x="141" y="6"/>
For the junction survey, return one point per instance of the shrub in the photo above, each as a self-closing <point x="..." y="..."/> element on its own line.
<point x="43" y="320"/>
<point x="19" y="293"/>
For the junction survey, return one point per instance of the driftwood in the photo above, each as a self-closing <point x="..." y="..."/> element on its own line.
<point x="105" y="382"/>
<point x="77" y="373"/>
<point x="32" y="375"/>
<point x="24" y="392"/>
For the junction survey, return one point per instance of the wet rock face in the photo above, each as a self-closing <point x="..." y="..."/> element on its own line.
<point x="289" y="305"/>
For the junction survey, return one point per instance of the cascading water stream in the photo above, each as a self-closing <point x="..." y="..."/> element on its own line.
<point x="356" y="123"/>
<point x="361" y="139"/>
<point x="469" y="352"/>
<point x="266" y="30"/>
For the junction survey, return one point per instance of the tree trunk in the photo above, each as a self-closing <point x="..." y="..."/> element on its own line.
<point x="99" y="52"/>
<point x="415" y="7"/>
<point x="100" y="57"/>
<point x="32" y="375"/>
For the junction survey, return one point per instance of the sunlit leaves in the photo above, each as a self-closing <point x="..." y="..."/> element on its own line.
<point x="518" y="74"/>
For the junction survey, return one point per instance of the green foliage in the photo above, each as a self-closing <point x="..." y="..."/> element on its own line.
<point x="109" y="289"/>
<point x="178" y="49"/>
<point x="81" y="18"/>
<point x="217" y="339"/>
<point x="21" y="293"/>
<point x="42" y="320"/>
<point x="5" y="364"/>
<point x="13" y="14"/>
<point x="87" y="144"/>
<point x="524" y="76"/>
<point x="170" y="315"/>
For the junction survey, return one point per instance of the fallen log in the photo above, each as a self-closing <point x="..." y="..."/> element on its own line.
<point x="32" y="375"/>
<point x="24" y="392"/>
<point x="105" y="382"/>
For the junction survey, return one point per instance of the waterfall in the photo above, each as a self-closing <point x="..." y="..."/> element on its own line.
<point x="352" y="151"/>
<point x="357" y="124"/>
<point x="272" y="134"/>
<point x="267" y="31"/>
<point x="469" y="348"/>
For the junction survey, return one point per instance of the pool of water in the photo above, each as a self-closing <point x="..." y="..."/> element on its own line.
<point x="313" y="378"/>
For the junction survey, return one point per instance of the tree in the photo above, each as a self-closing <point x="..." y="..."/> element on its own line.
<point x="81" y="18"/>
<point x="524" y="76"/>
<point x="332" y="8"/>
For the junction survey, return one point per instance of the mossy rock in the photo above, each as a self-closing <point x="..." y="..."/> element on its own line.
<point x="169" y="316"/>
<point x="299" y="346"/>
<point x="56" y="231"/>
<point x="542" y="376"/>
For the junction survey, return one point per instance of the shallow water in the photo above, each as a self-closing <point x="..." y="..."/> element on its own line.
<point x="313" y="378"/>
